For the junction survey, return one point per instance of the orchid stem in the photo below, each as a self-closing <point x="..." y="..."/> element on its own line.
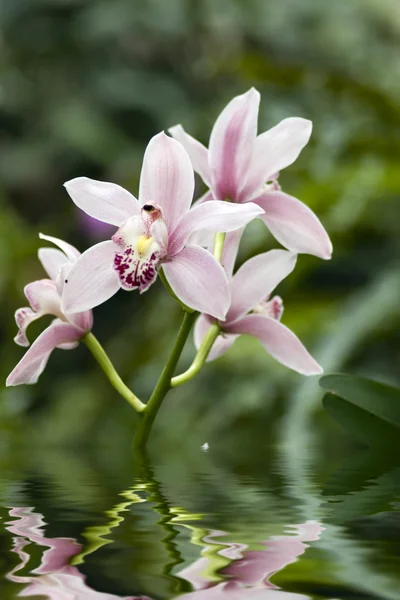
<point x="200" y="357"/>
<point x="105" y="363"/>
<point x="219" y="240"/>
<point x="164" y="383"/>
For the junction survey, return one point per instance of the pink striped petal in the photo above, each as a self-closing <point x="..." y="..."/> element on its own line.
<point x="92" y="279"/>
<point x="221" y="344"/>
<point x="213" y="216"/>
<point x="198" y="153"/>
<point x="52" y="260"/>
<point x="167" y="178"/>
<point x="294" y="225"/>
<point x="32" y="364"/>
<point x="257" y="278"/>
<point x="232" y="143"/>
<point x="274" y="150"/>
<point x="279" y="342"/>
<point x="199" y="281"/>
<point x="107" y="202"/>
<point x="70" y="252"/>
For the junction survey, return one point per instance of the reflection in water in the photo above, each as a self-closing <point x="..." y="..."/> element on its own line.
<point x="246" y="573"/>
<point x="54" y="578"/>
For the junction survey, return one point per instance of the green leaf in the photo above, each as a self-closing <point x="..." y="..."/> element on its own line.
<point x="375" y="399"/>
<point x="361" y="423"/>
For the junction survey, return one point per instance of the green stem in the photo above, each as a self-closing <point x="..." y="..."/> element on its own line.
<point x="200" y="357"/>
<point x="105" y="363"/>
<point x="219" y="241"/>
<point x="163" y="384"/>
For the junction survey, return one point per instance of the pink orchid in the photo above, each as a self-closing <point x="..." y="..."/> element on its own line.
<point x="44" y="297"/>
<point x="252" y="312"/>
<point x="241" y="167"/>
<point x="250" y="571"/>
<point x="153" y="233"/>
<point x="55" y="578"/>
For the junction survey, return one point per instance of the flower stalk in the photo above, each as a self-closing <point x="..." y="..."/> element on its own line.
<point x="164" y="383"/>
<point x="105" y="363"/>
<point x="200" y="357"/>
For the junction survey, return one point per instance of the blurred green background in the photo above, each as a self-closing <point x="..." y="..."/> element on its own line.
<point x="84" y="84"/>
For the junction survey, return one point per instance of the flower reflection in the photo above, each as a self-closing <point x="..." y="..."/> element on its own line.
<point x="248" y="573"/>
<point x="54" y="579"/>
<point x="244" y="574"/>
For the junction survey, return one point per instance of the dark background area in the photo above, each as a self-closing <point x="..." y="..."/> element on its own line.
<point x="85" y="84"/>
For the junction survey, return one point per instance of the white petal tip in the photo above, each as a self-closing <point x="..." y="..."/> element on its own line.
<point x="318" y="370"/>
<point x="175" y="128"/>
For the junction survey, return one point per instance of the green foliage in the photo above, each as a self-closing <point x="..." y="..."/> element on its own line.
<point x="368" y="410"/>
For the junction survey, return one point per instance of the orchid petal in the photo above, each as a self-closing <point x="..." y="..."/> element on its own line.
<point x="274" y="150"/>
<point x="257" y="278"/>
<point x="281" y="343"/>
<point x="107" y="202"/>
<point x="167" y="178"/>
<point x="70" y="252"/>
<point x="52" y="260"/>
<point x="223" y="342"/>
<point x="231" y="247"/>
<point x="199" y="281"/>
<point x="231" y="144"/>
<point x="213" y="216"/>
<point x="43" y="299"/>
<point x="34" y="361"/>
<point x="198" y="153"/>
<point x="92" y="279"/>
<point x="294" y="225"/>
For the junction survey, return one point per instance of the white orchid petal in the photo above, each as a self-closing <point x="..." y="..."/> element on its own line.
<point x="231" y="144"/>
<point x="274" y="150"/>
<point x="52" y="260"/>
<point x="70" y="252"/>
<point x="257" y="278"/>
<point x="198" y="153"/>
<point x="294" y="225"/>
<point x="92" y="279"/>
<point x="167" y="178"/>
<point x="213" y="216"/>
<point x="281" y="343"/>
<point x="199" y="281"/>
<point x="107" y="202"/>
<point x="35" y="359"/>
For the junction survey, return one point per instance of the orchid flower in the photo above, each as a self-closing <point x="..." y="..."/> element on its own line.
<point x="253" y="312"/>
<point x="153" y="233"/>
<point x="44" y="297"/>
<point x="241" y="167"/>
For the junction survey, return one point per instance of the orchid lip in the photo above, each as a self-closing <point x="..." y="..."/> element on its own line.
<point x="139" y="253"/>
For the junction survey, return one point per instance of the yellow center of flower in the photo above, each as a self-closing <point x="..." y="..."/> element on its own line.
<point x="143" y="244"/>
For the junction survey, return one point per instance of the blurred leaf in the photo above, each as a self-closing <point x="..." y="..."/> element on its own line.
<point x="360" y="423"/>
<point x="375" y="398"/>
